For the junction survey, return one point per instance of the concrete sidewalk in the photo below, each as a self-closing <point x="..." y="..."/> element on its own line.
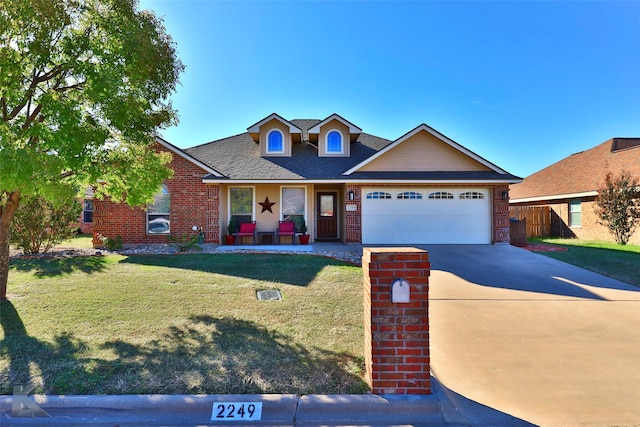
<point x="440" y="409"/>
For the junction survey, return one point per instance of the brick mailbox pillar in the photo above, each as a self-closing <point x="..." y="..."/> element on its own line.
<point x="396" y="333"/>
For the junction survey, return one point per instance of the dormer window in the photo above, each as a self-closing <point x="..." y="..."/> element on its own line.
<point x="275" y="142"/>
<point x="334" y="142"/>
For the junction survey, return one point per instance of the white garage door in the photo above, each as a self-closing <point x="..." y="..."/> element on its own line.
<point x="419" y="216"/>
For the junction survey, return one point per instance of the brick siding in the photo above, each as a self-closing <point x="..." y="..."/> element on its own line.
<point x="590" y="229"/>
<point x="501" y="233"/>
<point x="353" y="219"/>
<point x="192" y="203"/>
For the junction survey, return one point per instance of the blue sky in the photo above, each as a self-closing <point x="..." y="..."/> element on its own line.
<point x="523" y="84"/>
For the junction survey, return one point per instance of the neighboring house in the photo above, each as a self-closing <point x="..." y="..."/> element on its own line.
<point x="347" y="185"/>
<point x="570" y="186"/>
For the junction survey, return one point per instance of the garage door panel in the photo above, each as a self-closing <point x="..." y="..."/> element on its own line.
<point x="423" y="220"/>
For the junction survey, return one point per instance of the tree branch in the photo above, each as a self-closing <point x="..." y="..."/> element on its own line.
<point x="66" y="88"/>
<point x="32" y="116"/>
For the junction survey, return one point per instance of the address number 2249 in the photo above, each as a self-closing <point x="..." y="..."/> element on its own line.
<point x="228" y="411"/>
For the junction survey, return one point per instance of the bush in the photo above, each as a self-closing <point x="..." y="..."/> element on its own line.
<point x="185" y="243"/>
<point x="38" y="224"/>
<point x="618" y="205"/>
<point x="111" y="244"/>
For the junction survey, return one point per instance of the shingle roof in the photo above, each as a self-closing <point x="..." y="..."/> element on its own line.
<point x="581" y="172"/>
<point x="238" y="158"/>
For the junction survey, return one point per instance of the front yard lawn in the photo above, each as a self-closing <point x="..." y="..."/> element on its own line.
<point x="183" y="324"/>
<point x="621" y="262"/>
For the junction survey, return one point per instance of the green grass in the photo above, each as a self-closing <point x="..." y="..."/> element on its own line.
<point x="183" y="324"/>
<point x="620" y="262"/>
<point x="79" y="241"/>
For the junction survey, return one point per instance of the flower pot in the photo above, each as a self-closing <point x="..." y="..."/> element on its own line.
<point x="304" y="239"/>
<point x="230" y="239"/>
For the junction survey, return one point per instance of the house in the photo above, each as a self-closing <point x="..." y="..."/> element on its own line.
<point x="570" y="186"/>
<point x="347" y="185"/>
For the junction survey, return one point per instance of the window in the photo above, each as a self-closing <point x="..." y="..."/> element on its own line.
<point x="275" y="142"/>
<point x="241" y="204"/>
<point x="409" y="195"/>
<point x="334" y="142"/>
<point x="472" y="195"/>
<point x="159" y="213"/>
<point x="87" y="211"/>
<point x="575" y="213"/>
<point x="440" y="195"/>
<point x="378" y="195"/>
<point x="293" y="203"/>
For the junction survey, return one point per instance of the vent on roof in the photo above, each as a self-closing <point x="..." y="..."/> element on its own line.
<point x="624" y="143"/>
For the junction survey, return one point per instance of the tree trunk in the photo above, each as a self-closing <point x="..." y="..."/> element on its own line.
<point x="6" y="216"/>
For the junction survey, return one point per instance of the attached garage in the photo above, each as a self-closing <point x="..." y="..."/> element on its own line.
<point x="426" y="215"/>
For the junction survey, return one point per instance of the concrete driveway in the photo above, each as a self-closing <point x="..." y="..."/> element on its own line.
<point x="533" y="337"/>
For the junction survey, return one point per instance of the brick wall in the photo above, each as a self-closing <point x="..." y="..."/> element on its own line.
<point x="353" y="219"/>
<point x="396" y="334"/>
<point x="192" y="203"/>
<point x="500" y="214"/>
<point x="590" y="229"/>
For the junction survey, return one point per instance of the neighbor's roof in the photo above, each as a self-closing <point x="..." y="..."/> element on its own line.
<point x="580" y="174"/>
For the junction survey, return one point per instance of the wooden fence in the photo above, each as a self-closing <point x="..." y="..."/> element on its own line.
<point x="538" y="219"/>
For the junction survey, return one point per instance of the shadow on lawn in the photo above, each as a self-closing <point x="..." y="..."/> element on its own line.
<point x="292" y="269"/>
<point x="58" y="266"/>
<point x="225" y="355"/>
<point x="207" y="355"/>
<point x="50" y="366"/>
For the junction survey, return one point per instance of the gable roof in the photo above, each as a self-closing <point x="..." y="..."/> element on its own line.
<point x="256" y="126"/>
<point x="352" y="128"/>
<point x="188" y="157"/>
<point x="441" y="137"/>
<point x="580" y="174"/>
<point x="238" y="158"/>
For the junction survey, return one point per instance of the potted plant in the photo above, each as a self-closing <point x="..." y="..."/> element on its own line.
<point x="230" y="238"/>
<point x="304" y="237"/>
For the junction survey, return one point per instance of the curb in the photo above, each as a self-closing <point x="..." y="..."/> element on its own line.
<point x="285" y="409"/>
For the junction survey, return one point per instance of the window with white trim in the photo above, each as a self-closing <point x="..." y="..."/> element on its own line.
<point x="159" y="213"/>
<point x="293" y="206"/>
<point x="409" y="195"/>
<point x="441" y="195"/>
<point x="472" y="195"/>
<point x="240" y="205"/>
<point x="378" y="195"/>
<point x="334" y="142"/>
<point x="575" y="213"/>
<point x="275" y="141"/>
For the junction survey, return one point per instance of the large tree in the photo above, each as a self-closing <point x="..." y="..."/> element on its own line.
<point x="84" y="87"/>
<point x="618" y="205"/>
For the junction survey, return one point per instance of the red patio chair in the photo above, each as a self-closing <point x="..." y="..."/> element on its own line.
<point x="246" y="229"/>
<point x="286" y="228"/>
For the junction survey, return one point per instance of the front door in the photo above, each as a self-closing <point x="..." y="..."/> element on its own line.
<point x="327" y="219"/>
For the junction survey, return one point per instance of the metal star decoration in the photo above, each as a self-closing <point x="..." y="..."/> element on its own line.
<point x="266" y="205"/>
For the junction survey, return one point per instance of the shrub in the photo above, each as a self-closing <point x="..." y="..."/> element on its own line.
<point x="185" y="243"/>
<point x="111" y="244"/>
<point x="38" y="224"/>
<point x="618" y="205"/>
